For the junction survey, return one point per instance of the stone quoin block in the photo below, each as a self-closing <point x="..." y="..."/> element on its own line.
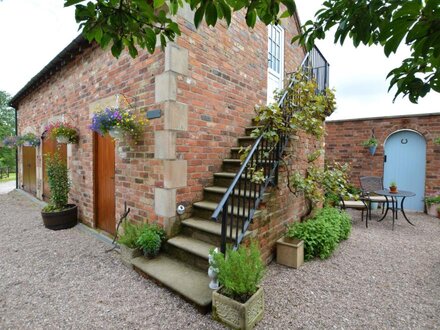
<point x="165" y="145"/>
<point x="175" y="173"/>
<point x="165" y="202"/>
<point x="165" y="87"/>
<point x="175" y="116"/>
<point x="176" y="59"/>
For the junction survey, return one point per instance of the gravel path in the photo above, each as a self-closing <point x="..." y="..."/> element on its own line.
<point x="7" y="186"/>
<point x="378" y="279"/>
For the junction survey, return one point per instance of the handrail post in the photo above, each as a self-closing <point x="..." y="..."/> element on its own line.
<point x="224" y="229"/>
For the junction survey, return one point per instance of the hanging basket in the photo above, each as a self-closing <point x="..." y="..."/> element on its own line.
<point x="372" y="150"/>
<point x="116" y="133"/>
<point x="62" y="139"/>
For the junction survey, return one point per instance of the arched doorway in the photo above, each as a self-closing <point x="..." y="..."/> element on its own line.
<point x="405" y="163"/>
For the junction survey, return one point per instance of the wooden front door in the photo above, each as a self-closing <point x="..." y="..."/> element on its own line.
<point x="105" y="183"/>
<point x="50" y="146"/>
<point x="29" y="170"/>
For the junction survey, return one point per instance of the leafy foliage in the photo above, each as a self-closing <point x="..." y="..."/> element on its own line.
<point x="371" y="142"/>
<point x="7" y="129"/>
<point x="130" y="234"/>
<point x="58" y="180"/>
<point x="62" y="129"/>
<point x="150" y="237"/>
<point x="240" y="272"/>
<point x="28" y="139"/>
<point x="322" y="233"/>
<point x="105" y="120"/>
<point x="432" y="200"/>
<point x="319" y="185"/>
<point x="138" y="23"/>
<point x="415" y="23"/>
<point x="437" y="141"/>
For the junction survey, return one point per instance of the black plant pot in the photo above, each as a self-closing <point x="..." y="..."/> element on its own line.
<point x="61" y="220"/>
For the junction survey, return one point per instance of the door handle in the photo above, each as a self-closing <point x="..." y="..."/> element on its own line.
<point x="384" y="158"/>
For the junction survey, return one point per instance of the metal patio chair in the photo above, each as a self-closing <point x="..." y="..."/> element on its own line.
<point x="370" y="184"/>
<point x="360" y="204"/>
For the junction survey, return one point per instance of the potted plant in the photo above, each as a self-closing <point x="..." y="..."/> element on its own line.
<point x="371" y="144"/>
<point x="239" y="303"/>
<point x="117" y="123"/>
<point x="28" y="140"/>
<point x="128" y="242"/>
<point x="58" y="214"/>
<point x="62" y="132"/>
<point x="10" y="142"/>
<point x="432" y="205"/>
<point x="150" y="240"/>
<point x="393" y="187"/>
<point x="290" y="252"/>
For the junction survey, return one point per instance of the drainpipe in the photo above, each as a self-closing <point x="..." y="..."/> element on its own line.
<point x="16" y="152"/>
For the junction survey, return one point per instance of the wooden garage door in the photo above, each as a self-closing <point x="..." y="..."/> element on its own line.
<point x="50" y="146"/>
<point x="105" y="183"/>
<point x="29" y="170"/>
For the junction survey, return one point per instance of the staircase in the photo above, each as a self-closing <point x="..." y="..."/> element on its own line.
<point x="184" y="265"/>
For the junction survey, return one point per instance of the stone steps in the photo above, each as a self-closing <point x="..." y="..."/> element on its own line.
<point x="189" y="282"/>
<point x="183" y="267"/>
<point x="190" y="250"/>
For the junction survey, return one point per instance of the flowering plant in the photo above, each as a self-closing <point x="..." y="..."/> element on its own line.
<point x="29" y="139"/>
<point x="10" y="141"/>
<point x="60" y="129"/>
<point x="108" y="119"/>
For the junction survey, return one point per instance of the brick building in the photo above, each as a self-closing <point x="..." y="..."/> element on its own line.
<point x="344" y="144"/>
<point x="205" y="85"/>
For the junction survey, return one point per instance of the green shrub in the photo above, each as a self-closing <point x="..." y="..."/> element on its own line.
<point x="432" y="200"/>
<point x="322" y="233"/>
<point x="150" y="239"/>
<point x="59" y="184"/>
<point x="130" y="234"/>
<point x="240" y="272"/>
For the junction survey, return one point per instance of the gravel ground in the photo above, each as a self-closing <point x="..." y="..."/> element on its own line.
<point x="7" y="186"/>
<point x="377" y="279"/>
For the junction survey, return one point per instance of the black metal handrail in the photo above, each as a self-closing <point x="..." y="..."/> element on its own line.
<point x="244" y="195"/>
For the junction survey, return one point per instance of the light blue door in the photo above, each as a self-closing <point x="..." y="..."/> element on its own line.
<point x="405" y="163"/>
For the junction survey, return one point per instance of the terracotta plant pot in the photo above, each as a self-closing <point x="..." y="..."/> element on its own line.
<point x="235" y="314"/>
<point x="393" y="189"/>
<point x="65" y="219"/>
<point x="290" y="252"/>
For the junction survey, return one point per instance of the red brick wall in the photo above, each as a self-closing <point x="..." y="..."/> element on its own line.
<point x="92" y="76"/>
<point x="344" y="139"/>
<point x="227" y="77"/>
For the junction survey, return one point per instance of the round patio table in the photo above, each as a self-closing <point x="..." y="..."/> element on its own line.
<point x="394" y="202"/>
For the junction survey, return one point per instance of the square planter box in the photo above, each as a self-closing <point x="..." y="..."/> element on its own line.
<point x="290" y="252"/>
<point x="432" y="210"/>
<point x="235" y="314"/>
<point x="127" y="254"/>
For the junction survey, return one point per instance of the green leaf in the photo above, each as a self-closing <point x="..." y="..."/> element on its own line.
<point x="68" y="3"/>
<point x="211" y="14"/>
<point x="198" y="16"/>
<point x="151" y="40"/>
<point x="251" y="18"/>
<point x="158" y="3"/>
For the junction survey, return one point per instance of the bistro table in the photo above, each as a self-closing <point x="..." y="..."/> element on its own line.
<point x="394" y="202"/>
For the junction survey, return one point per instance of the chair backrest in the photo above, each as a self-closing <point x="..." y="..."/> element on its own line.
<point x="371" y="183"/>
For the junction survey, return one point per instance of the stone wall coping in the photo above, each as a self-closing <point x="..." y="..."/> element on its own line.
<point x="412" y="115"/>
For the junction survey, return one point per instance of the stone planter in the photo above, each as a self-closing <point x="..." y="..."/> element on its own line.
<point x="61" y="220"/>
<point x="235" y="314"/>
<point x="290" y="252"/>
<point x="128" y="254"/>
<point x="432" y="209"/>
